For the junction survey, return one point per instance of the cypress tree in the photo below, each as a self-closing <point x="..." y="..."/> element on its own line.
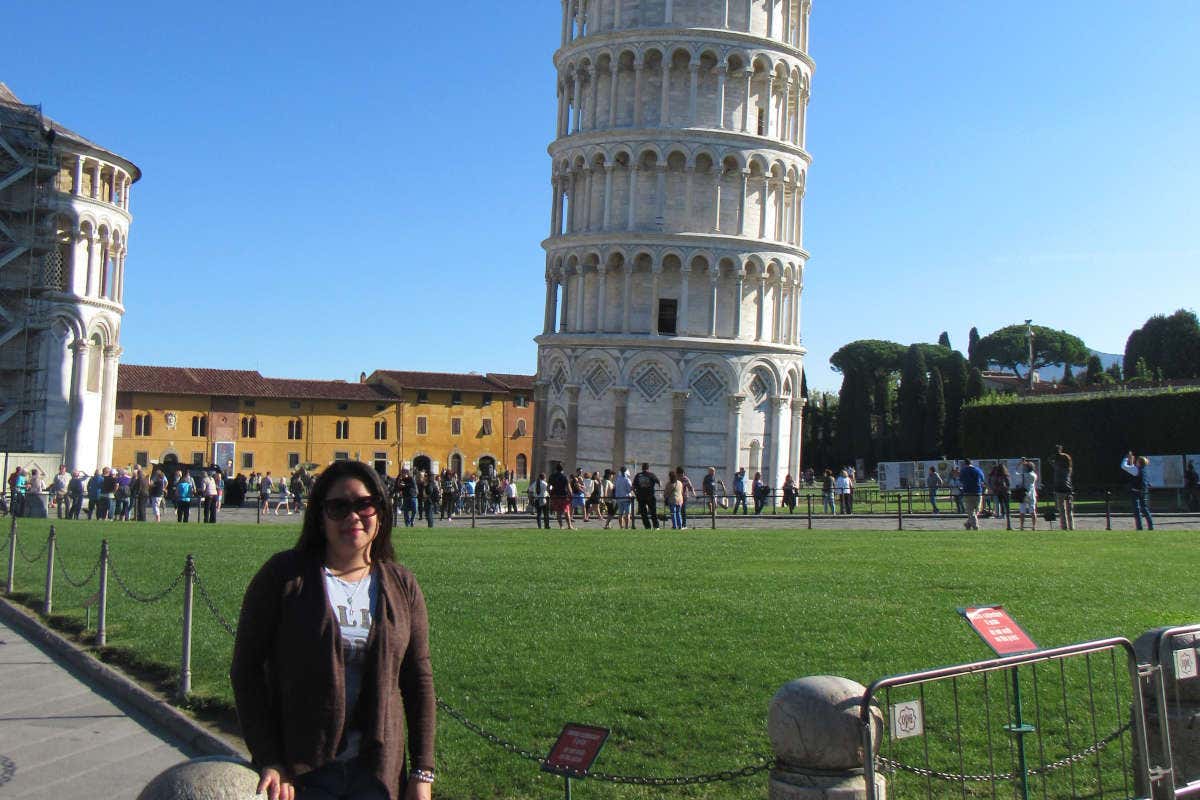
<point x="974" y="385"/>
<point x="973" y="347"/>
<point x="914" y="382"/>
<point x="1094" y="369"/>
<point x="1068" y="378"/>
<point x="944" y="340"/>
<point x="954" y="383"/>
<point x="935" y="415"/>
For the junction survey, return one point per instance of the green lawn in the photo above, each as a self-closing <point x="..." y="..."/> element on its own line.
<point x="674" y="640"/>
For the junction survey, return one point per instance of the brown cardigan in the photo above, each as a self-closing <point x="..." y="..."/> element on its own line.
<point x="289" y="680"/>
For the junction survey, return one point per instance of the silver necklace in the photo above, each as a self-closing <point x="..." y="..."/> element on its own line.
<point x="351" y="615"/>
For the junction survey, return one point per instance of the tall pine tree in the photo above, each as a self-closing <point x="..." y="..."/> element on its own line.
<point x="955" y="389"/>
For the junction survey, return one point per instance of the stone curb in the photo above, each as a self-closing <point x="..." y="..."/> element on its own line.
<point x="185" y="730"/>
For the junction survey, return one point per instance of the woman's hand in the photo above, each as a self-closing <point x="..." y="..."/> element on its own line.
<point x="418" y="791"/>
<point x="275" y="782"/>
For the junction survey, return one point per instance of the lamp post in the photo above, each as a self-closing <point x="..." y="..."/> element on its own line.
<point x="1029" y="335"/>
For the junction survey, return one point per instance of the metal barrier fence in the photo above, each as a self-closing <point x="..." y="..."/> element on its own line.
<point x="1175" y="693"/>
<point x="1067" y="725"/>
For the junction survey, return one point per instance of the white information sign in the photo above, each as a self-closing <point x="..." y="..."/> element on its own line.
<point x="1185" y="664"/>
<point x="1165" y="472"/>
<point x="907" y="720"/>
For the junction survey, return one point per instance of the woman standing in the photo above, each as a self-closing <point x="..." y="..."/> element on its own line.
<point x="842" y="486"/>
<point x="789" y="494"/>
<point x="756" y="489"/>
<point x="1027" y="489"/>
<point x="673" y="497"/>
<point x="827" y="487"/>
<point x="328" y="632"/>
<point x="1000" y="489"/>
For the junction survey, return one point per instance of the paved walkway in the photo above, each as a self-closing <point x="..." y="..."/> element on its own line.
<point x="60" y="738"/>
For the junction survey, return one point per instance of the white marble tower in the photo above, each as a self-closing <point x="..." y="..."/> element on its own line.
<point x="675" y="261"/>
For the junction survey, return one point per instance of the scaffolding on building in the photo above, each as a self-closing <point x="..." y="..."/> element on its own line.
<point x="30" y="264"/>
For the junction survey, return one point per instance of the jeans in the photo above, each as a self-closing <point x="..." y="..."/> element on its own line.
<point x="409" y="506"/>
<point x="541" y="513"/>
<point x="933" y="500"/>
<point x="1141" y="508"/>
<point x="739" y="498"/>
<point x="339" y="780"/>
<point x="827" y="505"/>
<point x="676" y="517"/>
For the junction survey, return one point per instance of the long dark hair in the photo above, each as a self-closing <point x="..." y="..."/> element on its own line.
<point x="312" y="533"/>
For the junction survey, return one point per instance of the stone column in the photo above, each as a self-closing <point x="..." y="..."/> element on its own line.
<point x="681" y="326"/>
<point x="664" y="109"/>
<point x="587" y="198"/>
<point x="762" y="299"/>
<point x="72" y="447"/>
<point x="794" y="457"/>
<point x="77" y="188"/>
<point x="777" y="313"/>
<point x="660" y="195"/>
<point x="594" y="113"/>
<point x="581" y="301"/>
<point x="724" y="14"/>
<point x="714" y="278"/>
<point x="785" y="119"/>
<point x="539" y="463"/>
<point x="770" y="19"/>
<point x="669" y="13"/>
<point x="722" y="74"/>
<point x="678" y="432"/>
<point x="638" y="66"/>
<point x="800" y="217"/>
<point x="555" y="197"/>
<point x="779" y="407"/>
<point x="735" y="434"/>
<point x="633" y="171"/>
<point x="620" y="410"/>
<point x="816" y="733"/>
<point x="796" y="314"/>
<point x="737" y="303"/>
<point x="565" y="299"/>
<point x="655" y="276"/>
<point x="717" y="173"/>
<point x="741" y="224"/>
<point x="769" y="101"/>
<point x="571" y="458"/>
<point x="608" y="173"/>
<point x="548" y="318"/>
<point x="690" y="172"/>
<point x="95" y="180"/>
<point x="108" y="404"/>
<point x="601" y="295"/>
<point x="93" y="264"/>
<point x="801" y="115"/>
<point x="694" y="69"/>
<point x="626" y="296"/>
<point x="566" y="23"/>
<point x="614" y="78"/>
<point x="762" y="207"/>
<point x="577" y="111"/>
<point x="749" y="75"/>
<point x="805" y="10"/>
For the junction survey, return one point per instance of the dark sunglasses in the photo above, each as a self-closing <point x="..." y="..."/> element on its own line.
<point x="340" y="508"/>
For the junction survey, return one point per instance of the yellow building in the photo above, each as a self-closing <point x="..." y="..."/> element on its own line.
<point x="245" y="422"/>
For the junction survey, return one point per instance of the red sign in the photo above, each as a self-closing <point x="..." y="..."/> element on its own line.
<point x="576" y="749"/>
<point x="998" y="630"/>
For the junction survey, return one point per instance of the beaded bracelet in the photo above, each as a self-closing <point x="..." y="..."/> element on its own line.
<point x="422" y="775"/>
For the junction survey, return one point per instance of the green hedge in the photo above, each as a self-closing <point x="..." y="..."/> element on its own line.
<point x="1096" y="429"/>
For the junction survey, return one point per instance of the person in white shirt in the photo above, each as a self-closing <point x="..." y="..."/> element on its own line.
<point x="622" y="504"/>
<point x="1027" y="481"/>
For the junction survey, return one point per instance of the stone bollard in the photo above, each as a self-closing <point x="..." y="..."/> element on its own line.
<point x="816" y="732"/>
<point x="212" y="778"/>
<point x="1183" y="710"/>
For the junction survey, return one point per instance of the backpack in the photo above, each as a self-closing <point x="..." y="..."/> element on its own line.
<point x="643" y="481"/>
<point x="183" y="490"/>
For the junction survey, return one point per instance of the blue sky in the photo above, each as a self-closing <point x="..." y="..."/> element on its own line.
<point x="337" y="188"/>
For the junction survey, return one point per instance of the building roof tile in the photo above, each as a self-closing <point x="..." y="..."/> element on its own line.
<point x="239" y="383"/>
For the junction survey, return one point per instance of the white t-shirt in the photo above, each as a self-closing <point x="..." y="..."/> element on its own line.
<point x="354" y="605"/>
<point x="622" y="486"/>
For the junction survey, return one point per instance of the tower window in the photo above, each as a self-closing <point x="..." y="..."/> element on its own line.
<point x="667" y="311"/>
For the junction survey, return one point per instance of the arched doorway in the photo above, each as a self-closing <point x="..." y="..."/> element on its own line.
<point x="487" y="467"/>
<point x="422" y="464"/>
<point x="456" y="464"/>
<point x="522" y="466"/>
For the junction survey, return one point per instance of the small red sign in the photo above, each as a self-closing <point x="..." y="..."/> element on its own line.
<point x="575" y="750"/>
<point x="998" y="630"/>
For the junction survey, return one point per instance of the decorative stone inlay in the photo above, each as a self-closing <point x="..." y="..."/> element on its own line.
<point x="708" y="387"/>
<point x="598" y="379"/>
<point x="558" y="430"/>
<point x="651" y="382"/>
<point x="559" y="380"/>
<point x="758" y="388"/>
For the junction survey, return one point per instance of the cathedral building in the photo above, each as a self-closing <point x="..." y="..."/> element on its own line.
<point x="64" y="228"/>
<point x="675" y="260"/>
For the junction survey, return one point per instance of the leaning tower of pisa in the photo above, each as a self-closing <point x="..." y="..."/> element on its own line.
<point x="675" y="261"/>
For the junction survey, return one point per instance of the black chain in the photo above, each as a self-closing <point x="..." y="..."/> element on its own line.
<point x="27" y="559"/>
<point x="67" y="575"/>
<point x="765" y="763"/>
<point x="142" y="598"/>
<point x="892" y="766"/>
<point x="212" y="607"/>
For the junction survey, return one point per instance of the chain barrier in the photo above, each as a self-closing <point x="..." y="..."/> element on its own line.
<point x="67" y="575"/>
<point x="888" y="765"/>
<point x="27" y="559"/>
<point x="142" y="598"/>
<point x="766" y="762"/>
<point x="212" y="607"/>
